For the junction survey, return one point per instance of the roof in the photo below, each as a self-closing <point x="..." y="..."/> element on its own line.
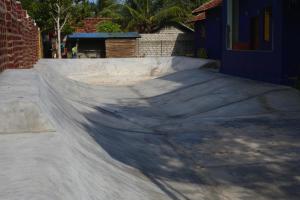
<point x="102" y="35"/>
<point x="89" y="24"/>
<point x="207" y="6"/>
<point x="180" y="26"/>
<point x="199" y="17"/>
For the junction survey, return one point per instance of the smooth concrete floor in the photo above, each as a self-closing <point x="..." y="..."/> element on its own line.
<point x="146" y="129"/>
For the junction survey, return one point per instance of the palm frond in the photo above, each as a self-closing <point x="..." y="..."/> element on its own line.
<point x="173" y="13"/>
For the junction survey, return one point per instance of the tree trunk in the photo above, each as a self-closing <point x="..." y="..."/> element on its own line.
<point x="58" y="39"/>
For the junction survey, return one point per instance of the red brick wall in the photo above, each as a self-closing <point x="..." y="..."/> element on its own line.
<point x="19" y="37"/>
<point x="89" y="24"/>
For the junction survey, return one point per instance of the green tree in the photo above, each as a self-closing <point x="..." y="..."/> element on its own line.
<point x="83" y="9"/>
<point x="60" y="11"/>
<point x="109" y="27"/>
<point x="146" y="15"/>
<point x="187" y="4"/>
<point x="109" y="8"/>
<point x="58" y="15"/>
<point x="39" y="11"/>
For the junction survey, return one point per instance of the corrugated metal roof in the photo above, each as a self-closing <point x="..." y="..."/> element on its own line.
<point x="102" y="35"/>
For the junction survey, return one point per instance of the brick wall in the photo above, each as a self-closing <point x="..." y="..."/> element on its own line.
<point x="19" y="37"/>
<point x="163" y="44"/>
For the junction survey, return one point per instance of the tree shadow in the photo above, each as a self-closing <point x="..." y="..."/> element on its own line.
<point x="184" y="45"/>
<point x="201" y="133"/>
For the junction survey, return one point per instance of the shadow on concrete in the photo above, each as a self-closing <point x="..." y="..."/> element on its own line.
<point x="215" y="135"/>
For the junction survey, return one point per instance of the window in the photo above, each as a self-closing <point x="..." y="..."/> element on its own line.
<point x="249" y="25"/>
<point x="267" y="24"/>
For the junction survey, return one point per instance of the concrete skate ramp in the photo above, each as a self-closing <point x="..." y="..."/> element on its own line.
<point x="23" y="117"/>
<point x="185" y="133"/>
<point x="124" y="71"/>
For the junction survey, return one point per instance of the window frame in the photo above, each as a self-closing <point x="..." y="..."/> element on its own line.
<point x="229" y="34"/>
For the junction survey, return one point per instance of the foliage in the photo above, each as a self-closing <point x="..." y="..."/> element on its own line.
<point x="135" y="15"/>
<point x="108" y="27"/>
<point x="109" y="8"/>
<point x="68" y="29"/>
<point x="187" y="4"/>
<point x="82" y="10"/>
<point x="146" y="15"/>
<point x="42" y="12"/>
<point x="38" y="10"/>
<point x="201" y="53"/>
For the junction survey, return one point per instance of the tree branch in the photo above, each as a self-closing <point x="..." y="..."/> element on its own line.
<point x="53" y="17"/>
<point x="65" y="21"/>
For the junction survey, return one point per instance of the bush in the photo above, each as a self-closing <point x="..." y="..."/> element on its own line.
<point x="108" y="27"/>
<point x="201" y="53"/>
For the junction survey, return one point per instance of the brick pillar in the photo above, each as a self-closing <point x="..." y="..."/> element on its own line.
<point x="21" y="16"/>
<point x="26" y="36"/>
<point x="31" y="42"/>
<point x="3" y="53"/>
<point x="9" y="34"/>
<point x="36" y="44"/>
<point x="20" y="41"/>
<point x="24" y="29"/>
<point x="15" y="35"/>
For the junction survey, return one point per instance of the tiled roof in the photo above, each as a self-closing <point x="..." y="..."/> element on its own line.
<point x="184" y="28"/>
<point x="199" y="17"/>
<point x="208" y="5"/>
<point x="89" y="24"/>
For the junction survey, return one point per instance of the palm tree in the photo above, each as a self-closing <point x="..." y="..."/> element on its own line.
<point x="145" y="16"/>
<point x="109" y="8"/>
<point x="187" y="4"/>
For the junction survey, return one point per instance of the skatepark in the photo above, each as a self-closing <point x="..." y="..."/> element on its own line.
<point x="169" y="128"/>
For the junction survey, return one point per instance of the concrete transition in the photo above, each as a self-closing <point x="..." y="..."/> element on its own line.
<point x="145" y="129"/>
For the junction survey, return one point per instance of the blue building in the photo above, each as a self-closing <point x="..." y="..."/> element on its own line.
<point x="208" y="29"/>
<point x="259" y="39"/>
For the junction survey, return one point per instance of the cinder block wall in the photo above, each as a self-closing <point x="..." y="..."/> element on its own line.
<point x="19" y="37"/>
<point x="162" y="44"/>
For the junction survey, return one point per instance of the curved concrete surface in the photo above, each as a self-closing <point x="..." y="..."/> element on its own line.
<point x="124" y="71"/>
<point x="163" y="129"/>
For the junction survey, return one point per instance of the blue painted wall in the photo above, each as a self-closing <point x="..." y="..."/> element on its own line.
<point x="259" y="65"/>
<point x="213" y="34"/>
<point x="291" y="42"/>
<point x="275" y="61"/>
<point x="213" y="25"/>
<point x="249" y="9"/>
<point x="199" y="40"/>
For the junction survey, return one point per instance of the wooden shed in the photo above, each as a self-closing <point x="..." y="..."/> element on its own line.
<point x="104" y="45"/>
